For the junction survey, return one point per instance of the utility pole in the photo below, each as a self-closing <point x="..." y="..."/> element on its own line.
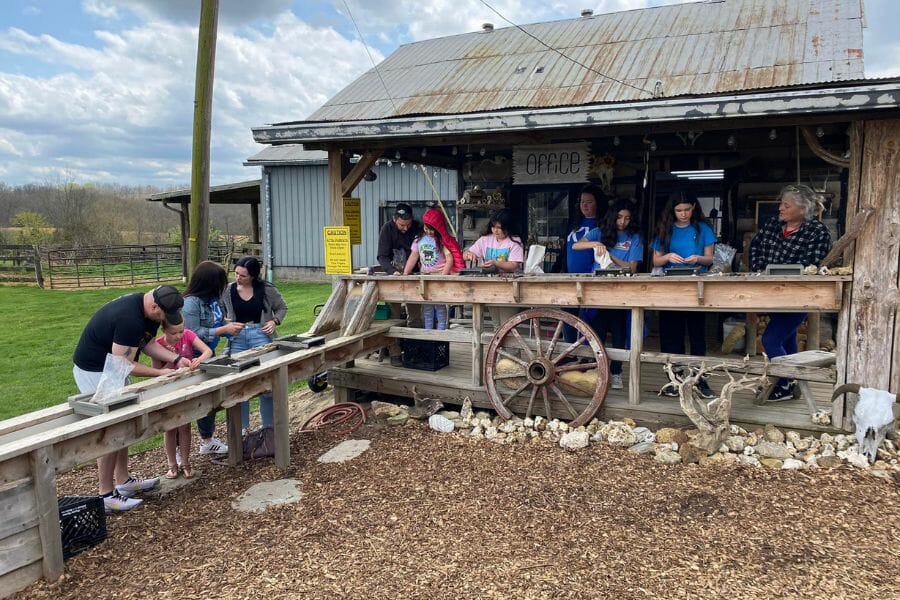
<point x="198" y="241"/>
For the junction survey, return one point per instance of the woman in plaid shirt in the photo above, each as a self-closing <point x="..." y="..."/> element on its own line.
<point x="794" y="236"/>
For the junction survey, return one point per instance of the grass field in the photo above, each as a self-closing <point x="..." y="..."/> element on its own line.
<point x="42" y="328"/>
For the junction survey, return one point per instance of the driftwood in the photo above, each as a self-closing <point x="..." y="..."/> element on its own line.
<point x="710" y="417"/>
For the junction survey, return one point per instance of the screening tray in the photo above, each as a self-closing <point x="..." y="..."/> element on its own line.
<point x="299" y="341"/>
<point x="225" y="365"/>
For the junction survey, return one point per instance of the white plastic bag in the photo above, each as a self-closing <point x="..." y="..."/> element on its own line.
<point x="535" y="259"/>
<point x="441" y="423"/>
<point x="604" y="260"/>
<point x="114" y="378"/>
<point x="723" y="254"/>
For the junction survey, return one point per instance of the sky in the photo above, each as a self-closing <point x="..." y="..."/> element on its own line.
<point x="102" y="91"/>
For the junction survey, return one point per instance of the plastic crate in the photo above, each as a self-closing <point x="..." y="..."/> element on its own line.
<point x="425" y="355"/>
<point x="82" y="521"/>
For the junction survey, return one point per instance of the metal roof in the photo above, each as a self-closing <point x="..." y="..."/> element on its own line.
<point x="287" y="154"/>
<point x="242" y="192"/>
<point x="710" y="47"/>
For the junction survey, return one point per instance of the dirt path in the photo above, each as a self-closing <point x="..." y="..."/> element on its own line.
<point x="427" y="515"/>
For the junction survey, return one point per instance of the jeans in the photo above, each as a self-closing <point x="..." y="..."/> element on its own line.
<point x="435" y="316"/>
<point x="780" y="336"/>
<point x="252" y="336"/>
<point x="615" y="322"/>
<point x="570" y="334"/>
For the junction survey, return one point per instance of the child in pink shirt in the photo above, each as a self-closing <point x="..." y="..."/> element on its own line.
<point x="183" y="342"/>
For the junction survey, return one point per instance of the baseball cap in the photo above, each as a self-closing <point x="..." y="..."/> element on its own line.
<point x="170" y="300"/>
<point x="404" y="211"/>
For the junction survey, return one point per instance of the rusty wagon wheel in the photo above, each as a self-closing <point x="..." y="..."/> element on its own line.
<point x="539" y="370"/>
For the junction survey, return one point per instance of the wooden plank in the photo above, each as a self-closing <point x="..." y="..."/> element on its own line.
<point x="841" y="246"/>
<point x="356" y="174"/>
<point x="813" y="326"/>
<point x="329" y="319"/>
<point x="18" y="508"/>
<point x="613" y="353"/>
<point x="281" y="419"/>
<point x="18" y="580"/>
<point x="235" y="439"/>
<point x="44" y="469"/>
<point x="35" y="418"/>
<point x="876" y="264"/>
<point x="634" y="361"/>
<point x="335" y="177"/>
<point x="20" y="550"/>
<point x="738" y="292"/>
<point x="477" y="345"/>
<point x="362" y="317"/>
<point x="457" y="334"/>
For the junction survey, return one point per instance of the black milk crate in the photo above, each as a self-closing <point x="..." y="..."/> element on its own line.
<point x="82" y="521"/>
<point x="425" y="355"/>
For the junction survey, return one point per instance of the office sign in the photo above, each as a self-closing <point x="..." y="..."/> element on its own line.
<point x="551" y="163"/>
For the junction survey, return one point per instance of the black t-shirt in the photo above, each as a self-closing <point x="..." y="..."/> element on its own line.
<point x="247" y="311"/>
<point x="120" y="321"/>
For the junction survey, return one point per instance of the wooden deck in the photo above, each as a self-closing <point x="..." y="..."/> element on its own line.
<point x="454" y="382"/>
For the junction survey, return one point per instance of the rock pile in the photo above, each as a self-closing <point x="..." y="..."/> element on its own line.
<point x="767" y="447"/>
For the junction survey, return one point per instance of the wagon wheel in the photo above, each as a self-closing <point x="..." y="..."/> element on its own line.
<point x="538" y="369"/>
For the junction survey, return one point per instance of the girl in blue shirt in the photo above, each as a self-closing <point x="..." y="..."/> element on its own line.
<point x="683" y="239"/>
<point x="620" y="238"/>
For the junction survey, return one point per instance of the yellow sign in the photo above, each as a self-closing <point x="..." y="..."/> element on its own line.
<point x="338" y="260"/>
<point x="353" y="220"/>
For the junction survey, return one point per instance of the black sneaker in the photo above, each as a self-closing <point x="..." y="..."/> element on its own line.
<point x="704" y="390"/>
<point x="780" y="394"/>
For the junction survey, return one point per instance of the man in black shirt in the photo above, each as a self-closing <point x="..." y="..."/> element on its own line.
<point x="124" y="327"/>
<point x="396" y="238"/>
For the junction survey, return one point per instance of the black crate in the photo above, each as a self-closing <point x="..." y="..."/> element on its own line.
<point x="82" y="521"/>
<point x="425" y="355"/>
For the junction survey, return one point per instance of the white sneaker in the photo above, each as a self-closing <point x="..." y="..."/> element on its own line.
<point x="136" y="486"/>
<point x="118" y="503"/>
<point x="213" y="446"/>
<point x="617" y="381"/>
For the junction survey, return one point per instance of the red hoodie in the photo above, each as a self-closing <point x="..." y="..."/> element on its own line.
<point x="434" y="218"/>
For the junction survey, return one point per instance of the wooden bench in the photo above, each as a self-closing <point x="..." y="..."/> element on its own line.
<point x="809" y="358"/>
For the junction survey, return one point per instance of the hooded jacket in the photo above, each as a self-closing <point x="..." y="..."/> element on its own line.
<point x="435" y="219"/>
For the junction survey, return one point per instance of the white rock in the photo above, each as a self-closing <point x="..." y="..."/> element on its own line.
<point x="841" y="441"/>
<point x="477" y="431"/>
<point x="643" y="448"/>
<point x="507" y="426"/>
<point x="528" y="423"/>
<point x="826" y="438"/>
<point x="749" y="451"/>
<point x="466" y="411"/>
<point x="596" y="437"/>
<point x="723" y="449"/>
<point x="563" y="426"/>
<point x="482" y="414"/>
<point x="793" y="437"/>
<point x="748" y="460"/>
<point x="822" y="417"/>
<point x="553" y="425"/>
<point x="803" y="443"/>
<point x="441" y="423"/>
<point x="857" y="460"/>
<point x="620" y="436"/>
<point x="735" y="443"/>
<point x="450" y="414"/>
<point x="490" y="432"/>
<point x="643" y="434"/>
<point x="736" y="430"/>
<point x="574" y="440"/>
<point x="827" y="450"/>
<point x="485" y="422"/>
<point x="793" y="464"/>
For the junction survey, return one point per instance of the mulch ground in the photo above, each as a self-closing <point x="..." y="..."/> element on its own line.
<point x="428" y="515"/>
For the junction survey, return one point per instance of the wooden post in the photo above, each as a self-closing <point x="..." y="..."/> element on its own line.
<point x="813" y="331"/>
<point x="634" y="360"/>
<point x="254" y="223"/>
<point x="198" y="249"/>
<point x="335" y="178"/>
<point x="869" y="331"/>
<point x="233" y="426"/>
<point x="38" y="273"/>
<point x="281" y="419"/>
<point x="43" y="473"/>
<point x="750" y="335"/>
<point x="477" y="346"/>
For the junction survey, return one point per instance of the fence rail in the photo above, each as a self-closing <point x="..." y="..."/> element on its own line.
<point x="100" y="266"/>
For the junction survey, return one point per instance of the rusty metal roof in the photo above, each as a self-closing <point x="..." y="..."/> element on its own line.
<point x="698" y="48"/>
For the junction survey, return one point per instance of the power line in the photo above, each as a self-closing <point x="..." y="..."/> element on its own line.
<point x="372" y="60"/>
<point x="567" y="57"/>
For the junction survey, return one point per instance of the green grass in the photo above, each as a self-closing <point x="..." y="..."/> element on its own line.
<point x="42" y="328"/>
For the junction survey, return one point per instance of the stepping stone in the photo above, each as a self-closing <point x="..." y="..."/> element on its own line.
<point x="346" y="450"/>
<point x="268" y="493"/>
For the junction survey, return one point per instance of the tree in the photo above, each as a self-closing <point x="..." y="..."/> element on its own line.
<point x="35" y="230"/>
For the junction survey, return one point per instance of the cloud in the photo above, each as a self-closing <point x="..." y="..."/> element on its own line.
<point x="99" y="8"/>
<point x="31" y="11"/>
<point x="123" y="111"/>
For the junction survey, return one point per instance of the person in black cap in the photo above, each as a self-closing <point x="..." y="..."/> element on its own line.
<point x="124" y="327"/>
<point x="396" y="238"/>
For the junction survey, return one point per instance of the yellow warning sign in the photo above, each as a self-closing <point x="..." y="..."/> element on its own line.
<point x="338" y="260"/>
<point x="353" y="220"/>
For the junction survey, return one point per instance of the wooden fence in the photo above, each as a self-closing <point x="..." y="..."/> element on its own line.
<point x="100" y="266"/>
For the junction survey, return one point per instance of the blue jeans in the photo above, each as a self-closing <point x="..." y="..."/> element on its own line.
<point x="435" y="316"/>
<point x="252" y="336"/>
<point x="780" y="336"/>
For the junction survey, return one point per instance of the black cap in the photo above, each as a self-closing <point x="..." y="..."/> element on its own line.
<point x="403" y="211"/>
<point x="170" y="300"/>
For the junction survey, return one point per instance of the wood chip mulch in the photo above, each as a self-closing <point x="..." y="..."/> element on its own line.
<point x="428" y="515"/>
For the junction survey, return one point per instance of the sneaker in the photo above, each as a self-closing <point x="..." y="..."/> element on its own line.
<point x="780" y="394"/>
<point x="136" y="486"/>
<point x="116" y="502"/>
<point x="212" y="446"/>
<point x="617" y="381"/>
<point x="669" y="391"/>
<point x="704" y="390"/>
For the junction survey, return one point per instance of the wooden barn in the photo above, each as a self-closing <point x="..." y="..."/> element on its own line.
<point x="731" y="100"/>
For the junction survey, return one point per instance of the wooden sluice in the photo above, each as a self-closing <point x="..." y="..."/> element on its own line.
<point x="36" y="446"/>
